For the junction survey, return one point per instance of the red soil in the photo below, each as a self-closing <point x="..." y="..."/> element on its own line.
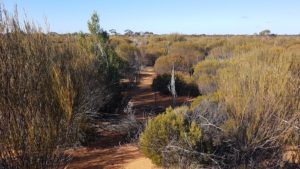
<point x="107" y="152"/>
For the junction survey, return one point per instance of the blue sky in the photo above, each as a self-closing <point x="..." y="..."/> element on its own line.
<point x="167" y="16"/>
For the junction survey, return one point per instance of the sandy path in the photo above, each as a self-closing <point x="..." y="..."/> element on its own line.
<point x="107" y="152"/>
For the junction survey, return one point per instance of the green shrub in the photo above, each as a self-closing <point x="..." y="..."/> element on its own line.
<point x="167" y="129"/>
<point x="183" y="88"/>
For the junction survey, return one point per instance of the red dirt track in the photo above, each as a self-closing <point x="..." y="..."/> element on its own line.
<point x="107" y="152"/>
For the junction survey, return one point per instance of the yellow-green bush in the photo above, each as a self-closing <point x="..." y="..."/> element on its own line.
<point x="38" y="95"/>
<point x="50" y="88"/>
<point x="206" y="75"/>
<point x="214" y="97"/>
<point x="261" y="92"/>
<point x="171" y="128"/>
<point x="182" y="54"/>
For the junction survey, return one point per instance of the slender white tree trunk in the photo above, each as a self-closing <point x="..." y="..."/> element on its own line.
<point x="172" y="87"/>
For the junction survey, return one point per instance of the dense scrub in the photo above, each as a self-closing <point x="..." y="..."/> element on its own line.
<point x="249" y="109"/>
<point x="51" y="88"/>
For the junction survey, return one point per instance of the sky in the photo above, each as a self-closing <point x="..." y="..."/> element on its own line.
<point x="166" y="16"/>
